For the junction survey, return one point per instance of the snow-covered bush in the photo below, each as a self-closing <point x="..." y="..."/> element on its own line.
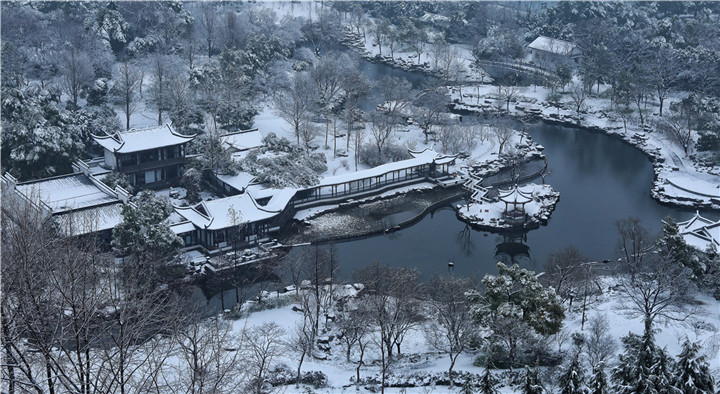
<point x="370" y="157"/>
<point x="283" y="164"/>
<point x="283" y="375"/>
<point x="118" y="179"/>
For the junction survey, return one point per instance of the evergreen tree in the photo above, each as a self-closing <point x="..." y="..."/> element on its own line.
<point x="572" y="381"/>
<point x="467" y="388"/>
<point x="693" y="374"/>
<point x="488" y="383"/>
<point x="661" y="373"/>
<point x="598" y="382"/>
<point x="145" y="237"/>
<point x="634" y="373"/>
<point x="674" y="244"/>
<point x="532" y="383"/>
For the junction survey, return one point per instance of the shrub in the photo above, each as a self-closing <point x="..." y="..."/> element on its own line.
<point x="370" y="157"/>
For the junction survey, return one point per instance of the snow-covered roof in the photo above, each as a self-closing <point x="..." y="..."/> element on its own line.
<point x="95" y="219"/>
<point x="239" y="181"/>
<point x="695" y="223"/>
<point x="68" y="192"/>
<point x="553" y="45"/>
<point x="514" y="195"/>
<point x="182" y="227"/>
<point x="701" y="232"/>
<point x="216" y="214"/>
<point x="279" y="198"/>
<point x="423" y="157"/>
<point x="135" y="140"/>
<point x="242" y="140"/>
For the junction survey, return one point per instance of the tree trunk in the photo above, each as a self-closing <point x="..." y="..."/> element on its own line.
<point x="48" y="372"/>
<point x="297" y="377"/>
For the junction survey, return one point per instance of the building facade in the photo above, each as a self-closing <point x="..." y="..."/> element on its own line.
<point x="150" y="157"/>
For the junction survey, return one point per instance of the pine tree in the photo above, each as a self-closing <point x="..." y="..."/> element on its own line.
<point x="661" y="374"/>
<point x="488" y="383"/>
<point x="674" y="243"/>
<point x="532" y="382"/>
<point x="693" y="374"/>
<point x="467" y="388"/>
<point x="572" y="381"/>
<point x="634" y="374"/>
<point x="598" y="382"/>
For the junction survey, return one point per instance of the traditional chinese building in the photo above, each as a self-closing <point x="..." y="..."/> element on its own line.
<point x="150" y="157"/>
<point x="78" y="203"/>
<point x="552" y="53"/>
<point x="515" y="201"/>
<point x="701" y="233"/>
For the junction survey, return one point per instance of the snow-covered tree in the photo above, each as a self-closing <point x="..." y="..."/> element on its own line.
<point x="284" y="165"/>
<point x="692" y="375"/>
<point x="515" y="302"/>
<point x="640" y="368"/>
<point x="673" y="243"/>
<point x="572" y="378"/>
<point x="109" y="24"/>
<point x="532" y="383"/>
<point x="145" y="237"/>
<point x="214" y="158"/>
<point x="488" y="382"/>
<point x="598" y="380"/>
<point x="39" y="137"/>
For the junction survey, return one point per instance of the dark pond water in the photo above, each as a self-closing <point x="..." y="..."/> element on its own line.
<point x="600" y="179"/>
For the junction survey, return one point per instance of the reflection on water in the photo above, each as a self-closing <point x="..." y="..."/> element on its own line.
<point x="600" y="180"/>
<point x="513" y="250"/>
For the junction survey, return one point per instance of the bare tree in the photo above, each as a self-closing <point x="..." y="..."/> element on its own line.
<point x="660" y="289"/>
<point x="579" y="92"/>
<point x="208" y="23"/>
<point x="470" y="135"/>
<point x="503" y="134"/>
<point x="664" y="71"/>
<point x="392" y="299"/>
<point x="450" y="326"/>
<point x="381" y="129"/>
<point x="508" y="94"/>
<point x="634" y="244"/>
<point x="327" y="75"/>
<point x="562" y="270"/>
<point x="677" y="129"/>
<point x="76" y="72"/>
<point x="599" y="344"/>
<point x="379" y="32"/>
<point x="302" y="339"/>
<point x="358" y="140"/>
<point x="211" y="360"/>
<point x="294" y="102"/>
<point x="127" y="82"/>
<point x="451" y="139"/>
<point x="427" y="109"/>
<point x="160" y="72"/>
<point x="262" y="344"/>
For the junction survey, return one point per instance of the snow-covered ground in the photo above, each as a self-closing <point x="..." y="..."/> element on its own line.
<point x="419" y="358"/>
<point x="489" y="215"/>
<point x="678" y="179"/>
